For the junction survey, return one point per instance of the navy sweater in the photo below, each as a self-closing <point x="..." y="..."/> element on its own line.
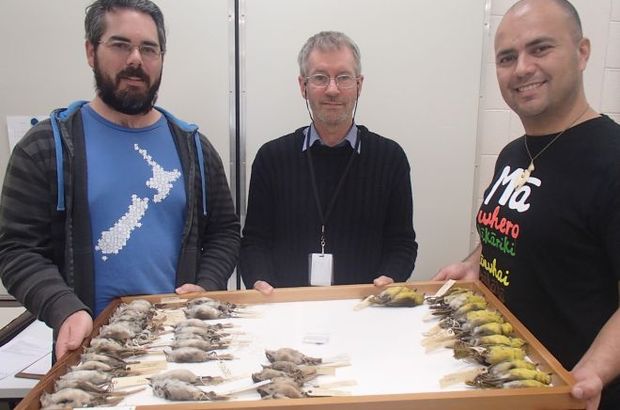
<point x="369" y="232"/>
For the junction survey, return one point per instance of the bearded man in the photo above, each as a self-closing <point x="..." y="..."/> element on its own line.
<point x="109" y="197"/>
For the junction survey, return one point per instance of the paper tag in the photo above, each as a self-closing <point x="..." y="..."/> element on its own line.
<point x="154" y="365"/>
<point x="316" y="338"/>
<point x="245" y="388"/>
<point x="329" y="371"/>
<point x="224" y="369"/>
<point x="171" y="302"/>
<point x="122" y="382"/>
<point x="460" y="377"/>
<point x="337" y="383"/>
<point x="321" y="265"/>
<point x="173" y="317"/>
<point x="442" y="290"/>
<point x="336" y="362"/>
<point x="117" y="408"/>
<point x="444" y="334"/>
<point x="432" y="331"/>
<point x="326" y="393"/>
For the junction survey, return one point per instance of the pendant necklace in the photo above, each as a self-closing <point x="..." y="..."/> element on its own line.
<point x="525" y="175"/>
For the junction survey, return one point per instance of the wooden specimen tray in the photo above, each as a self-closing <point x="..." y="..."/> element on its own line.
<point x="555" y="397"/>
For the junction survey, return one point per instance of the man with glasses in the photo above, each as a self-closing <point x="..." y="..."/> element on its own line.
<point x="114" y="196"/>
<point x="330" y="203"/>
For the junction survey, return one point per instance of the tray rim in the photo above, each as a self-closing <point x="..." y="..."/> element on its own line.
<point x="557" y="396"/>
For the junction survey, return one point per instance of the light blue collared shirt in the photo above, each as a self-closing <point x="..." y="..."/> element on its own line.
<point x="314" y="136"/>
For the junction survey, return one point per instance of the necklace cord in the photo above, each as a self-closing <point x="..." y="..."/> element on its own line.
<point x="525" y="175"/>
<point x="529" y="154"/>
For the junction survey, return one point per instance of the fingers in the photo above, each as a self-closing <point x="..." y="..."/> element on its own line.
<point x="188" y="288"/>
<point x="588" y="389"/>
<point x="73" y="331"/>
<point x="61" y="350"/>
<point x="456" y="271"/>
<point x="263" y="287"/>
<point x="448" y="272"/>
<point x="592" y="404"/>
<point x="441" y="275"/>
<point x="382" y="281"/>
<point x="582" y="393"/>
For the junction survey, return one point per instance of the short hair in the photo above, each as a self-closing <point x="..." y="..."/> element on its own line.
<point x="327" y="41"/>
<point x="94" y="22"/>
<point x="569" y="9"/>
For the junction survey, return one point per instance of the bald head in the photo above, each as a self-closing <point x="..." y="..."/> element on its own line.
<point x="563" y="6"/>
<point x="540" y="57"/>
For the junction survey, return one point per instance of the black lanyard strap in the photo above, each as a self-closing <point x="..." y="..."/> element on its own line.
<point x="325" y="215"/>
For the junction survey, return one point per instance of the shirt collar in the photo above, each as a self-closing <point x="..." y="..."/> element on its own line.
<point x="350" y="138"/>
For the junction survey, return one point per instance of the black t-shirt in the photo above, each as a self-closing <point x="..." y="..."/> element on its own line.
<point x="551" y="249"/>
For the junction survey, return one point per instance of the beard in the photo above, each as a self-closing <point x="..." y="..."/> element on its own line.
<point x="332" y="118"/>
<point x="129" y="101"/>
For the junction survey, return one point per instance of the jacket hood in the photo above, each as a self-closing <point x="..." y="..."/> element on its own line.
<point x="63" y="114"/>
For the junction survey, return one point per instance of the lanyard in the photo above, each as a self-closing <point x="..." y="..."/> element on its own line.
<point x="325" y="215"/>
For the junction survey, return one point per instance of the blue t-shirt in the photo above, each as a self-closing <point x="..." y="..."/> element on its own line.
<point x="137" y="201"/>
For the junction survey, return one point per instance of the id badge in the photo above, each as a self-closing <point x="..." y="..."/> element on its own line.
<point x="320" y="268"/>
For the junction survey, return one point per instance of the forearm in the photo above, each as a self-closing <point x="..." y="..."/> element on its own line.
<point x="603" y="356"/>
<point x="467" y="269"/>
<point x="473" y="259"/>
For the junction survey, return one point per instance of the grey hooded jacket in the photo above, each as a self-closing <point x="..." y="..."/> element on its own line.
<point x="46" y="250"/>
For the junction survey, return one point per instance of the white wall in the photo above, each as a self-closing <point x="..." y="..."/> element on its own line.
<point x="44" y="66"/>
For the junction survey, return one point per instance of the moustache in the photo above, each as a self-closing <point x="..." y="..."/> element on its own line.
<point x="133" y="72"/>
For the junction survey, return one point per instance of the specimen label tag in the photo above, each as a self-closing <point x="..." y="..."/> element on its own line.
<point x="442" y="290"/>
<point x="122" y="382"/>
<point x="154" y="365"/>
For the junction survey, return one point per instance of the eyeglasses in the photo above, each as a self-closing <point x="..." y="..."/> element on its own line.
<point x="343" y="81"/>
<point x="125" y="48"/>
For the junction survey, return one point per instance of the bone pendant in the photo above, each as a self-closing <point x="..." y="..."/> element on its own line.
<point x="525" y="175"/>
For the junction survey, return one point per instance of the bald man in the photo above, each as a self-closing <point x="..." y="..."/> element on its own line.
<point x="549" y="223"/>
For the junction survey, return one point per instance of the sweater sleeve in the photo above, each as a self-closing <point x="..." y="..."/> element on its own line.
<point x="400" y="248"/>
<point x="255" y="261"/>
<point x="220" y="245"/>
<point x="27" y="264"/>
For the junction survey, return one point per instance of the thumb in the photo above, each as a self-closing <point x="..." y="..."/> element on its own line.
<point x="67" y="343"/>
<point x="383" y="281"/>
<point x="585" y="389"/>
<point x="263" y="287"/>
<point x="577" y="392"/>
<point x="182" y="289"/>
<point x="441" y="275"/>
<point x="188" y="288"/>
<point x="60" y="350"/>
